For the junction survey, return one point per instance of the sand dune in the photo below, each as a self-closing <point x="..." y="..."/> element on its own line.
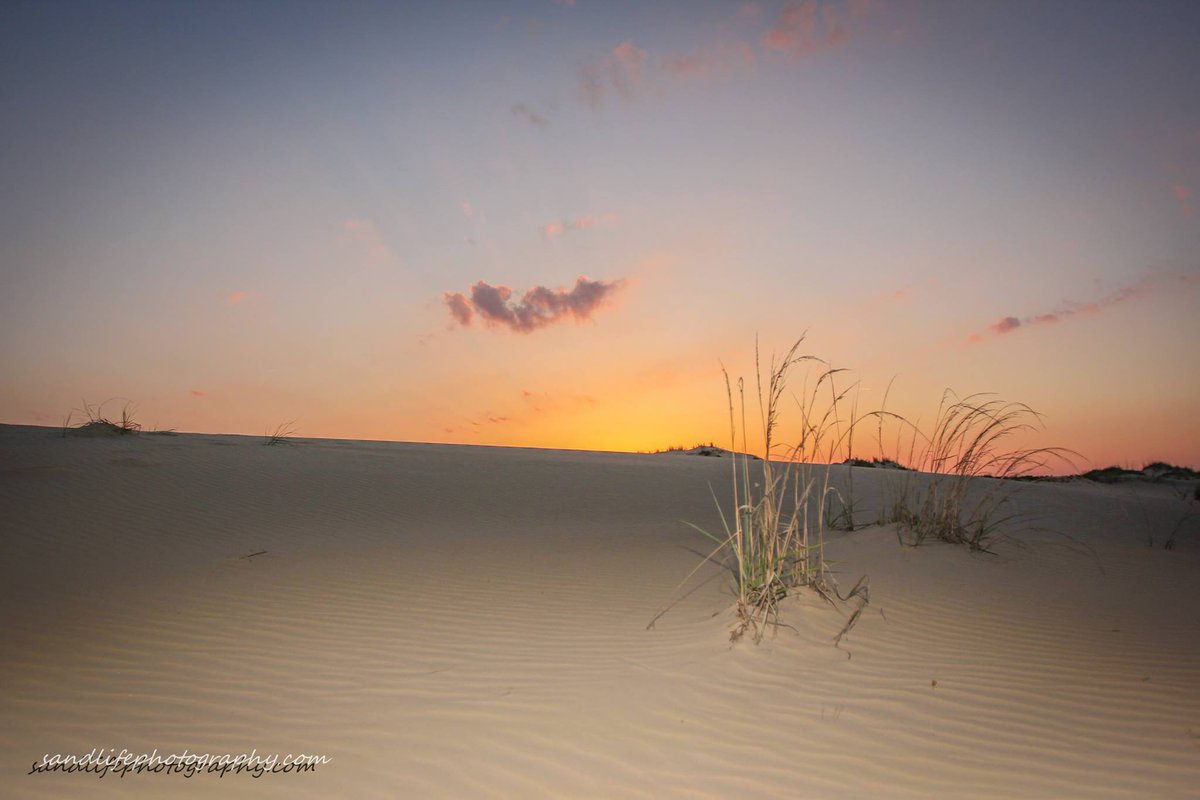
<point x="452" y="621"/>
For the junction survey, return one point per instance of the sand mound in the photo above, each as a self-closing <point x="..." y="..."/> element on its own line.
<point x="472" y="622"/>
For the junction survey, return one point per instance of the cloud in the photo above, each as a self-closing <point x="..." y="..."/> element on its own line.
<point x="369" y="239"/>
<point x="233" y="298"/>
<point x="555" y="403"/>
<point x="460" y="308"/>
<point x="1009" y="324"/>
<point x="565" y="3"/>
<point x="538" y="308"/>
<point x="622" y="72"/>
<point x="557" y="228"/>
<point x="721" y="60"/>
<point x="526" y="113"/>
<point x="1184" y="195"/>
<point x="1005" y="325"/>
<point x="468" y="210"/>
<point x="803" y="28"/>
<point x="196" y="393"/>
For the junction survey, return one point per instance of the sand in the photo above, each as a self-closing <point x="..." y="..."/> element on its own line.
<point x="454" y="621"/>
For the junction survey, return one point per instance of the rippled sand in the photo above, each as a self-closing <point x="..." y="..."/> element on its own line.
<point x="451" y="621"/>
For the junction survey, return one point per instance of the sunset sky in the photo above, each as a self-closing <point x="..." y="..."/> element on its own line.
<point x="549" y="224"/>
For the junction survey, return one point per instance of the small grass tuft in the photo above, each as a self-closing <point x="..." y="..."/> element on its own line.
<point x="283" y="434"/>
<point x="95" y="423"/>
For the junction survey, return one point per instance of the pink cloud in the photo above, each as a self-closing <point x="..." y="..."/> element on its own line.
<point x="233" y="298"/>
<point x="460" y="308"/>
<point x="538" y="308"/>
<point x="196" y="393"/>
<point x="1184" y="195"/>
<point x="800" y="30"/>
<point x="622" y="71"/>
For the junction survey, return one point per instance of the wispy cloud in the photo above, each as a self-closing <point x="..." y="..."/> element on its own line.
<point x="234" y="298"/>
<point x="621" y="72"/>
<point x="529" y="115"/>
<point x="1184" y="195"/>
<point x="196" y="393"/>
<point x="803" y="28"/>
<point x="1008" y="324"/>
<point x="721" y="59"/>
<point x="553" y="403"/>
<point x="538" y="308"/>
<point x="558" y="227"/>
<point x="520" y="410"/>
<point x="367" y="236"/>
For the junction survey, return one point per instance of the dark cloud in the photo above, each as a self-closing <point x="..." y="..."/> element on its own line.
<point x="537" y="308"/>
<point x="1006" y="325"/>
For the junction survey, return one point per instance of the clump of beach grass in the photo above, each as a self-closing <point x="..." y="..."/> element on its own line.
<point x="770" y="542"/>
<point x="1182" y="515"/>
<point x="1189" y="502"/>
<point x="966" y="498"/>
<point x="94" y="422"/>
<point x="283" y="434"/>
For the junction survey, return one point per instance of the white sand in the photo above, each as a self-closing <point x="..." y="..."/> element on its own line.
<point x="450" y="621"/>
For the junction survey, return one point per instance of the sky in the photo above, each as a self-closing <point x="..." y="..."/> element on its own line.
<point x="554" y="223"/>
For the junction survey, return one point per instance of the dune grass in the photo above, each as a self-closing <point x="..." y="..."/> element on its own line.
<point x="94" y="420"/>
<point x="1182" y="517"/>
<point x="283" y="434"/>
<point x="773" y="537"/>
<point x="966" y="496"/>
<point x="773" y="541"/>
<point x="1187" y="510"/>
